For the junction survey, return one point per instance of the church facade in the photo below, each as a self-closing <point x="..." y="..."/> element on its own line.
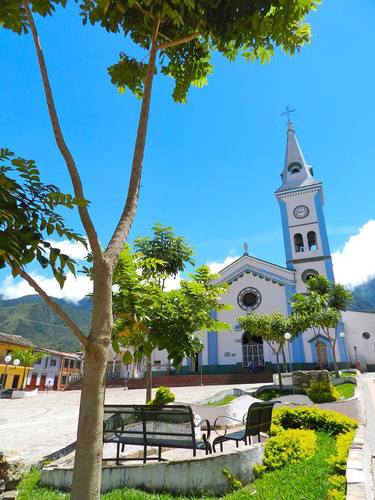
<point x="263" y="287"/>
<point x="259" y="286"/>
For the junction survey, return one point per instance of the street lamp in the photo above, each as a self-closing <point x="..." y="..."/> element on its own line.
<point x="287" y="337"/>
<point x="7" y="359"/>
<point x="342" y="336"/>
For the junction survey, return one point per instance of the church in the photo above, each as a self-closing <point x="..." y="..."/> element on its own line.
<point x="263" y="287"/>
<point x="259" y="286"/>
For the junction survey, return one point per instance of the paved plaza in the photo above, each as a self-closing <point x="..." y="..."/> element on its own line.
<point x="38" y="426"/>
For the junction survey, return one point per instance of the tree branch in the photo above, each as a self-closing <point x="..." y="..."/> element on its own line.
<point x="121" y="232"/>
<point x="174" y="43"/>
<point x="55" y="307"/>
<point x="59" y="138"/>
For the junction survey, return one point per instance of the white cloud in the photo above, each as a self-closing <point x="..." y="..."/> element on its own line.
<point x="217" y="266"/>
<point x="354" y="264"/>
<point x="74" y="288"/>
<point x="74" y="249"/>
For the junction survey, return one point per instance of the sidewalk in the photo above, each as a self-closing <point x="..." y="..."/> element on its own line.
<point x="368" y="388"/>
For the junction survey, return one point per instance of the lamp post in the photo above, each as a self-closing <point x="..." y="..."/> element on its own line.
<point x="7" y="359"/>
<point x="287" y="337"/>
<point x="342" y="336"/>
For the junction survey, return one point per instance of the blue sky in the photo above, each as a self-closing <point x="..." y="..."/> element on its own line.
<point x="211" y="166"/>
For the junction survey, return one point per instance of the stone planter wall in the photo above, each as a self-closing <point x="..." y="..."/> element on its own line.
<point x="183" y="477"/>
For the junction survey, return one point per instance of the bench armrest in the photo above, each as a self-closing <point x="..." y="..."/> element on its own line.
<point x="225" y="430"/>
<point x="208" y="425"/>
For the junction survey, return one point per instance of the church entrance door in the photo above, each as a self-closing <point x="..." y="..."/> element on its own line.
<point x="252" y="352"/>
<point x="322" y="355"/>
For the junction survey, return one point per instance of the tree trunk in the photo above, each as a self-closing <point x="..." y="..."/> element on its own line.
<point x="88" y="457"/>
<point x="333" y="345"/>
<point x="23" y="377"/>
<point x="148" y="378"/>
<point x="278" y="370"/>
<point x="285" y="366"/>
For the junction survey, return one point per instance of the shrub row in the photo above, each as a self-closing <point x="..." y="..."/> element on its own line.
<point x="289" y="446"/>
<point x="312" y="418"/>
<point x="338" y="463"/>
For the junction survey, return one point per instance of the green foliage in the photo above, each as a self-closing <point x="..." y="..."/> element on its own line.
<point x="322" y="391"/>
<point x="259" y="470"/>
<point x="235" y="484"/>
<point x="171" y="253"/>
<point x="289" y="446"/>
<point x="304" y="417"/>
<point x="163" y="396"/>
<point x="336" y="494"/>
<point x="27" y="356"/>
<point x="28" y="218"/>
<point x="148" y="317"/>
<point x="186" y="32"/>
<point x="13" y="15"/>
<point x="339" y="459"/>
<point x="224" y="401"/>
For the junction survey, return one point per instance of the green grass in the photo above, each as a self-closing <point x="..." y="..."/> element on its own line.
<point x="346" y="390"/>
<point x="348" y="374"/>
<point x="307" y="480"/>
<point x="226" y="400"/>
<point x="267" y="395"/>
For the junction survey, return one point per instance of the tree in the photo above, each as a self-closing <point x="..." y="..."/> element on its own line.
<point x="27" y="358"/>
<point x="171" y="254"/>
<point x="272" y="328"/>
<point x="179" y="36"/>
<point x="322" y="306"/>
<point x="148" y="317"/>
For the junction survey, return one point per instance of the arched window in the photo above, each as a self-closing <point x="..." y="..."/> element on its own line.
<point x="311" y="241"/>
<point x="298" y="242"/>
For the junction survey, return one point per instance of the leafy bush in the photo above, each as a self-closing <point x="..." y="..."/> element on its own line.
<point x="335" y="494"/>
<point x="338" y="482"/>
<point x="163" y="396"/>
<point x="339" y="459"/>
<point x="312" y="418"/>
<point x="322" y="392"/>
<point x="259" y="470"/>
<point x="289" y="446"/>
<point x="235" y="483"/>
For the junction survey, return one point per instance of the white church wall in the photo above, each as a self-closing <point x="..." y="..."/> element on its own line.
<point x="273" y="299"/>
<point x="355" y="324"/>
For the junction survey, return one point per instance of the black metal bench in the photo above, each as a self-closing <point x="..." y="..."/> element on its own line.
<point x="257" y="421"/>
<point x="170" y="426"/>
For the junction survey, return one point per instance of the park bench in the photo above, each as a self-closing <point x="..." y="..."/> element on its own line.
<point x="257" y="421"/>
<point x="170" y="426"/>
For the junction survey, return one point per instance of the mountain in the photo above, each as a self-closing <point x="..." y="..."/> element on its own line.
<point x="30" y="317"/>
<point x="364" y="297"/>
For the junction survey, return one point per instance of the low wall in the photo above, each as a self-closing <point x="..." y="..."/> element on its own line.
<point x="183" y="477"/>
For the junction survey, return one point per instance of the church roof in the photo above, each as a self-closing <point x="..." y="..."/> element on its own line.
<point x="297" y="173"/>
<point x="247" y="264"/>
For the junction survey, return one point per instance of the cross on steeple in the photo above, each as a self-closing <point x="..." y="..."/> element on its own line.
<point x="287" y="112"/>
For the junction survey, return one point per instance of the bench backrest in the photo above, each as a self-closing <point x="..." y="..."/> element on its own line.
<point x="259" y="418"/>
<point x="147" y="421"/>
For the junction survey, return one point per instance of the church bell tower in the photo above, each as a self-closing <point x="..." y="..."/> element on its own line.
<point x="301" y="201"/>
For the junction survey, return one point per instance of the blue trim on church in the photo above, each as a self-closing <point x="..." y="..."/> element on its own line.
<point x="318" y="201"/>
<point x="343" y="350"/>
<point x="285" y="225"/>
<point x="298" y="351"/>
<point x="212" y="345"/>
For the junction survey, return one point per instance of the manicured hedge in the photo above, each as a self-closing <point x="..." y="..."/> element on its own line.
<point x="289" y="446"/>
<point x="322" y="391"/>
<point x="312" y="418"/>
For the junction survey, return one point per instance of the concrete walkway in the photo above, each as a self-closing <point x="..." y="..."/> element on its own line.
<point x="367" y="382"/>
<point x="38" y="426"/>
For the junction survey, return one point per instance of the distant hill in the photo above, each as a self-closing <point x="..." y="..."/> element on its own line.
<point x="364" y="297"/>
<point x="30" y="317"/>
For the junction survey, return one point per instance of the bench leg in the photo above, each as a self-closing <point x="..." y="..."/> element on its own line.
<point x="118" y="454"/>
<point x="159" y="455"/>
<point x="221" y="446"/>
<point x="144" y="454"/>
<point x="236" y="444"/>
<point x="194" y="452"/>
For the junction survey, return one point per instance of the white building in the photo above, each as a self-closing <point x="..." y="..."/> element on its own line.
<point x="263" y="287"/>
